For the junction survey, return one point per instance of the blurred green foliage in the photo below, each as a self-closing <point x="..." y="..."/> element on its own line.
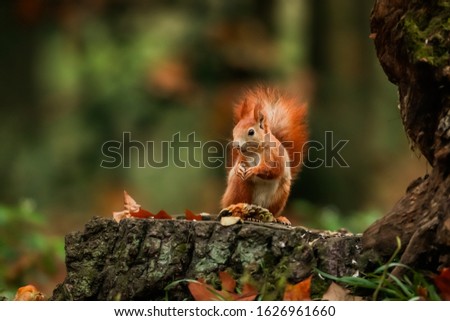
<point x="331" y="218"/>
<point x="28" y="255"/>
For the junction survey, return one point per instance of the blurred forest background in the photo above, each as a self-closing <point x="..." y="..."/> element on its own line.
<point x="75" y="74"/>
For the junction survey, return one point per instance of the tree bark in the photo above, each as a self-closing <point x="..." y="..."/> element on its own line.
<point x="412" y="40"/>
<point x="138" y="258"/>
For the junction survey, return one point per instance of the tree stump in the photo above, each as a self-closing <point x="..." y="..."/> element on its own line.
<point x="137" y="259"/>
<point x="412" y="39"/>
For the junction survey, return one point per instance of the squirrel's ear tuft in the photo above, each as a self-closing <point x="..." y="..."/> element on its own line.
<point x="245" y="110"/>
<point x="259" y="117"/>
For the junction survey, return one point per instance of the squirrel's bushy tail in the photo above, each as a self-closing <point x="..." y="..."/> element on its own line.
<point x="286" y="118"/>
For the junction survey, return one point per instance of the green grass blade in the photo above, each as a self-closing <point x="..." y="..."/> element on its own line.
<point x="432" y="293"/>
<point x="358" y="282"/>
<point x="408" y="292"/>
<point x="391" y="265"/>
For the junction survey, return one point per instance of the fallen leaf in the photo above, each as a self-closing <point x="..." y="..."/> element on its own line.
<point x="298" y="292"/>
<point x="118" y="216"/>
<point x="129" y="203"/>
<point x="422" y="293"/>
<point x="134" y="210"/>
<point x="228" y="283"/>
<point x="130" y="208"/>
<point x="336" y="292"/>
<point x="28" y="293"/>
<point x="204" y="292"/>
<point x="190" y="216"/>
<point x="141" y="213"/>
<point x="442" y="282"/>
<point x="162" y="215"/>
<point x="248" y="292"/>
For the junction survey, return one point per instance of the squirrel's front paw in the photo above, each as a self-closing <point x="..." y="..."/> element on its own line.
<point x="244" y="172"/>
<point x="241" y="171"/>
<point x="249" y="172"/>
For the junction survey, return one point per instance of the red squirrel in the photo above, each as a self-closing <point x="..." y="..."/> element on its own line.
<point x="268" y="140"/>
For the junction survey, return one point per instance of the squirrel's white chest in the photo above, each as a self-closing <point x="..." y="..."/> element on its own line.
<point x="264" y="190"/>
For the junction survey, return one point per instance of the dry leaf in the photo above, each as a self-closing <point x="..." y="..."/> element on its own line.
<point x="133" y="209"/>
<point x="442" y="282"/>
<point x="228" y="283"/>
<point x="141" y="213"/>
<point x="190" y="216"/>
<point x="130" y="208"/>
<point x="130" y="204"/>
<point x="162" y="215"/>
<point x="118" y="216"/>
<point x="422" y="293"/>
<point x="336" y="292"/>
<point x="28" y="293"/>
<point x="298" y="292"/>
<point x="204" y="292"/>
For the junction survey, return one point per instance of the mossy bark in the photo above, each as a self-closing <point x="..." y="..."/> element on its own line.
<point x="137" y="259"/>
<point x="412" y="39"/>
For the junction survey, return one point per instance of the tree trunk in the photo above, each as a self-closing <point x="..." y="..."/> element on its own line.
<point x="138" y="258"/>
<point x="412" y="39"/>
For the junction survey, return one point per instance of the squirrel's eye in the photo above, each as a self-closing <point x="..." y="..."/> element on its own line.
<point x="251" y="132"/>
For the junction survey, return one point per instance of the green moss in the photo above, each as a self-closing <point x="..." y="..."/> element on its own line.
<point x="251" y="255"/>
<point x="206" y="265"/>
<point x="219" y="254"/>
<point x="427" y="34"/>
<point x="181" y="249"/>
<point x="274" y="280"/>
<point x="281" y="269"/>
<point x="318" y="287"/>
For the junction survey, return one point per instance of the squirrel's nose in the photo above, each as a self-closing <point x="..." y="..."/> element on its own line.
<point x="235" y="145"/>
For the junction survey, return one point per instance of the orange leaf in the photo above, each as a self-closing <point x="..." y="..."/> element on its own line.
<point x="228" y="283"/>
<point x="442" y="282"/>
<point x="142" y="214"/>
<point x="118" y="216"/>
<point x="162" y="215"/>
<point x="28" y="293"/>
<point x="129" y="203"/>
<point x="190" y="216"/>
<point x="132" y="209"/>
<point x="422" y="292"/>
<point x="202" y="291"/>
<point x="298" y="292"/>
